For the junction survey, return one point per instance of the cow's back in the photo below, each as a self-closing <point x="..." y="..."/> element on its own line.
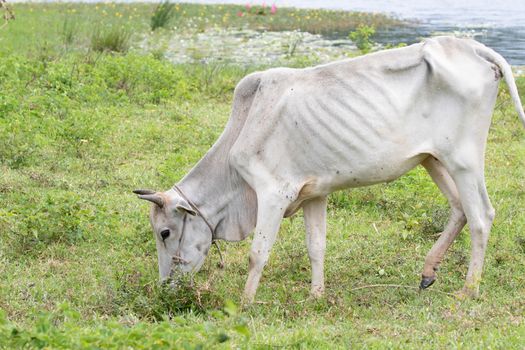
<point x="364" y="120"/>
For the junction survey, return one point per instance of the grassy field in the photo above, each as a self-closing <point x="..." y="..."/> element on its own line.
<point x="80" y="129"/>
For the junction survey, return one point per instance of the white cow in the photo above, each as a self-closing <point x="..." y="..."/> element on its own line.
<point x="296" y="135"/>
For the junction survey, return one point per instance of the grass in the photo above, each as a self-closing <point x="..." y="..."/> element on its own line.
<point x="162" y="15"/>
<point x="69" y="32"/>
<point x="112" y="39"/>
<point x="79" y="130"/>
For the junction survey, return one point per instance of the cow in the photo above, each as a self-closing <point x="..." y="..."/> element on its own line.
<point x="296" y="135"/>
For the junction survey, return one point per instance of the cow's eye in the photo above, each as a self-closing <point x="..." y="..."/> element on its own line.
<point x="165" y="234"/>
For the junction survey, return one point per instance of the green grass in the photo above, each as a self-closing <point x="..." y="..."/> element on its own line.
<point x="112" y="39"/>
<point x="79" y="130"/>
<point x="162" y="15"/>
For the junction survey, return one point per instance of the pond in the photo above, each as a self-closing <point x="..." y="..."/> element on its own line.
<point x="248" y="47"/>
<point x="498" y="24"/>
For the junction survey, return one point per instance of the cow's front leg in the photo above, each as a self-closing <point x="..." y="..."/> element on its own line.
<point x="315" y="222"/>
<point x="270" y="212"/>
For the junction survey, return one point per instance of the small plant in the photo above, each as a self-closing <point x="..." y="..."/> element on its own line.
<point x="114" y="39"/>
<point x="69" y="31"/>
<point x="291" y="47"/>
<point x="361" y="37"/>
<point x="395" y="46"/>
<point x="58" y="217"/>
<point x="164" y="12"/>
<point x="8" y="13"/>
<point x="158" y="53"/>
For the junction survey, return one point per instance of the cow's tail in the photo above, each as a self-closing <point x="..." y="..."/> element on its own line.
<point x="495" y="58"/>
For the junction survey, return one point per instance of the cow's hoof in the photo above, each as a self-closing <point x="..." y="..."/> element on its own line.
<point x="467" y="293"/>
<point x="247" y="300"/>
<point x="426" y="282"/>
<point x="317" y="292"/>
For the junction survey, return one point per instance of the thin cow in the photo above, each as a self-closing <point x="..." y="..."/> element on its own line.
<point x="296" y="135"/>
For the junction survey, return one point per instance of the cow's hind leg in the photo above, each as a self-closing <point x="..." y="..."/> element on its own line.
<point x="466" y="168"/>
<point x="456" y="221"/>
<point x="270" y="212"/>
<point x="315" y="222"/>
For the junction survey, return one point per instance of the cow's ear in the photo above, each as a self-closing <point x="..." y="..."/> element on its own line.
<point x="151" y="196"/>
<point x="184" y="206"/>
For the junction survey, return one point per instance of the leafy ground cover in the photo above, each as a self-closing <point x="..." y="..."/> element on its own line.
<point x="79" y="129"/>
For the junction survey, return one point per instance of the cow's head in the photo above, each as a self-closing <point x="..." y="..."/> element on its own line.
<point x="183" y="238"/>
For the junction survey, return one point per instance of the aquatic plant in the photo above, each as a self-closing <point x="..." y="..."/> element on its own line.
<point x="362" y="37"/>
<point x="258" y="10"/>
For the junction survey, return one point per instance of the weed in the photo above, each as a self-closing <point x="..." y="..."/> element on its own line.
<point x="362" y="37"/>
<point x="295" y="40"/>
<point x="159" y="53"/>
<point x="395" y="46"/>
<point x="433" y="224"/>
<point x="60" y="216"/>
<point x="59" y="330"/>
<point x="112" y="39"/>
<point x="8" y="13"/>
<point x="136" y="293"/>
<point x="162" y="15"/>
<point x="69" y="32"/>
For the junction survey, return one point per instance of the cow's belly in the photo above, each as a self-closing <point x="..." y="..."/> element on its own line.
<point x="349" y="144"/>
<point x="357" y="169"/>
<point x="364" y="172"/>
<point x="311" y="180"/>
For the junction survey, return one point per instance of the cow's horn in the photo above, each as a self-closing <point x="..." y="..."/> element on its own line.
<point x="144" y="192"/>
<point x="151" y="196"/>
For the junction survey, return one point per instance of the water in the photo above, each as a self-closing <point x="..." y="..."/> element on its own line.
<point x="499" y="24"/>
<point x="248" y="47"/>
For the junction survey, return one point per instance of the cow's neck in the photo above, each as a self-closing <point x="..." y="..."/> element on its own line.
<point x="218" y="190"/>
<point x="222" y="196"/>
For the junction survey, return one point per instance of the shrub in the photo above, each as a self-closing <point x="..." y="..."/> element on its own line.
<point x="114" y="39"/>
<point x="58" y="217"/>
<point x="361" y="37"/>
<point x="162" y="15"/>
